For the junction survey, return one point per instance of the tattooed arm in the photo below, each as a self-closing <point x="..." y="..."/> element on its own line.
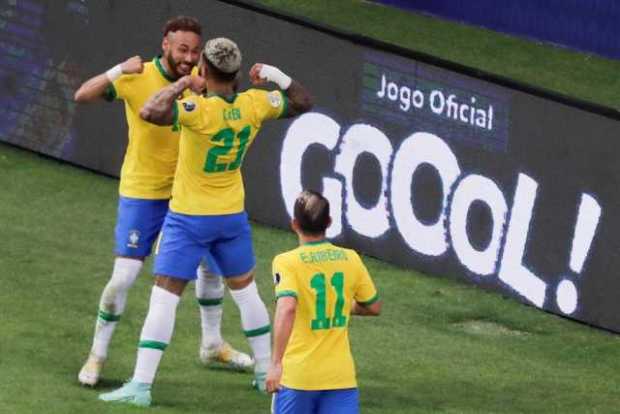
<point x="158" y="109"/>
<point x="299" y="99"/>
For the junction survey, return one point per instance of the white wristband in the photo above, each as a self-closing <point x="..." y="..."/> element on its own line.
<point x="275" y="75"/>
<point x="114" y="73"/>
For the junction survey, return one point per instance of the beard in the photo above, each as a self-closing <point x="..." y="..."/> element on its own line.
<point x="177" y="67"/>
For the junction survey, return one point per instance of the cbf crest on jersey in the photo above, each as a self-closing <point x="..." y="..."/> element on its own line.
<point x="275" y="99"/>
<point x="189" y="106"/>
<point x="276" y="279"/>
<point x="134" y="238"/>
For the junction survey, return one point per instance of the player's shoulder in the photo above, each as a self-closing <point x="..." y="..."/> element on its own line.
<point x="191" y="102"/>
<point x="249" y="96"/>
<point x="252" y="92"/>
<point x="286" y="257"/>
<point x="148" y="72"/>
<point x="272" y="97"/>
<point x="346" y="253"/>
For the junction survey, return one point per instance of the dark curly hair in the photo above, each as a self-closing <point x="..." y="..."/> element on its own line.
<point x="184" y="24"/>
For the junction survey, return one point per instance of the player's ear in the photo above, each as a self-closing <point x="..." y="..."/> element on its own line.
<point x="329" y="222"/>
<point x="294" y="225"/>
<point x="165" y="44"/>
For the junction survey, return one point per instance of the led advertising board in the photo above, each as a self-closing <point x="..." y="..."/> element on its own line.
<point x="427" y="165"/>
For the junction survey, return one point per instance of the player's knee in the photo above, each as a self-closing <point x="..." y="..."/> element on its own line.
<point x="125" y="272"/>
<point x="208" y="285"/>
<point x="173" y="285"/>
<point x="124" y="275"/>
<point x="241" y="281"/>
<point x="112" y="298"/>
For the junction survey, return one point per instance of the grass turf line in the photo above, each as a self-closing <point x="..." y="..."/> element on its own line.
<point x="440" y="345"/>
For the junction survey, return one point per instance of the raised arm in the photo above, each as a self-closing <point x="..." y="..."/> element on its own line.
<point x="158" y="109"/>
<point x="282" y="328"/>
<point x="299" y="98"/>
<point x="94" y="88"/>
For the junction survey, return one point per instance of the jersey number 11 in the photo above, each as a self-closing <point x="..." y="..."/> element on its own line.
<point x="322" y="321"/>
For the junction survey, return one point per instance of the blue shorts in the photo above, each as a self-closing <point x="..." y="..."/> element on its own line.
<point x="290" y="401"/>
<point x="225" y="239"/>
<point x="137" y="225"/>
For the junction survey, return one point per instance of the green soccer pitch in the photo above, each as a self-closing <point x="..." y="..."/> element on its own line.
<point x="440" y="346"/>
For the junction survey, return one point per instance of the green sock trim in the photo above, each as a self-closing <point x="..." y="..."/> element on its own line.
<point x="210" y="302"/>
<point x="258" y="332"/>
<point x="153" y="345"/>
<point x="108" y="316"/>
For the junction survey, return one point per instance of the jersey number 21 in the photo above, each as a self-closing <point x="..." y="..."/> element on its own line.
<point x="227" y="136"/>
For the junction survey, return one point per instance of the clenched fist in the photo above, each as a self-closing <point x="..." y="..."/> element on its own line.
<point x="132" y="65"/>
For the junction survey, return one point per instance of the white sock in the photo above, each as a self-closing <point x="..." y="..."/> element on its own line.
<point x="112" y="302"/>
<point x="255" y="323"/>
<point x="156" y="334"/>
<point x="210" y="294"/>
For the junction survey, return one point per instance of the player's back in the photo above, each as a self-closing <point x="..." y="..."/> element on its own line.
<point x="325" y="279"/>
<point x="216" y="133"/>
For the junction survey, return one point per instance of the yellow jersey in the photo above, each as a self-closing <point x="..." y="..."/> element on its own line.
<point x="216" y="133"/>
<point x="325" y="279"/>
<point x="152" y="150"/>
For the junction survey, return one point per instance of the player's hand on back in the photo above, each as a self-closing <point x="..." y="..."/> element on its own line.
<point x="132" y="65"/>
<point x="255" y="74"/>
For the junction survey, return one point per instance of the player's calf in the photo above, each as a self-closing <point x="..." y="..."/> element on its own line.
<point x="256" y="326"/>
<point x="111" y="306"/>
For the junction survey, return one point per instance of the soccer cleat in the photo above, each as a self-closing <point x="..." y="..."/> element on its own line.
<point x="258" y="383"/>
<point x="90" y="372"/>
<point x="134" y="393"/>
<point x="227" y="355"/>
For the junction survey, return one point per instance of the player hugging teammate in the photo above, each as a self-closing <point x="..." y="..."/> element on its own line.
<point x="206" y="215"/>
<point x="182" y="179"/>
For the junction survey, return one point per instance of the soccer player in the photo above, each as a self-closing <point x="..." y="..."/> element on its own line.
<point x="207" y="208"/>
<point x="318" y="287"/>
<point x="145" y="190"/>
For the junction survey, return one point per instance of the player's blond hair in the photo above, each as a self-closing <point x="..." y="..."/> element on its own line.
<point x="223" y="57"/>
